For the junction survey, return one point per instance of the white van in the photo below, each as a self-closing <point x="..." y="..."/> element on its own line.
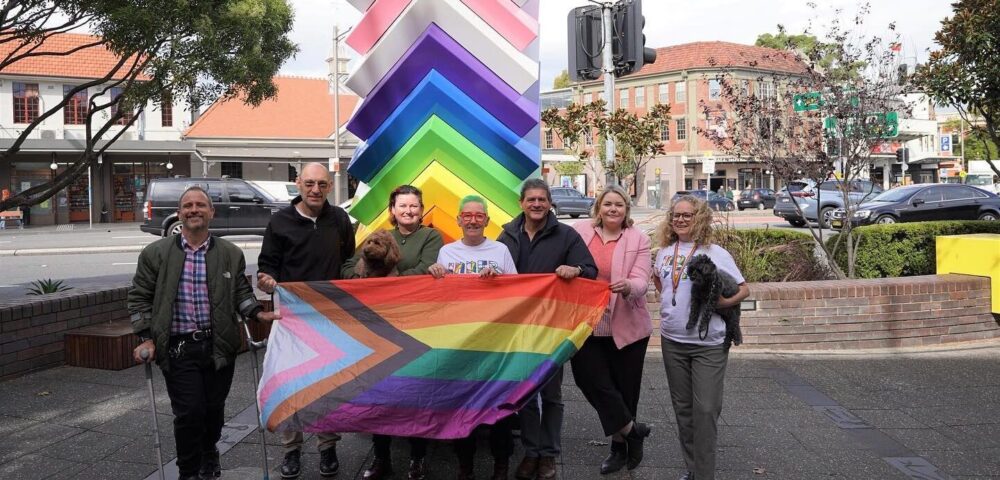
<point x="980" y="175"/>
<point x="283" y="192"/>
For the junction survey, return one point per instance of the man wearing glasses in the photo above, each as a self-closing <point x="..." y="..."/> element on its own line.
<point x="306" y="241"/>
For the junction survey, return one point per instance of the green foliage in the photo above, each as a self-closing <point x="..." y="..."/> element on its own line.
<point x="569" y="168"/>
<point x="768" y="255"/>
<point x="42" y="287"/>
<point x="562" y="80"/>
<point x="825" y="55"/>
<point x="902" y="249"/>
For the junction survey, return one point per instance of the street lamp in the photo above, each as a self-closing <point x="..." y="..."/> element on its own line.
<point x="335" y="164"/>
<point x="170" y="165"/>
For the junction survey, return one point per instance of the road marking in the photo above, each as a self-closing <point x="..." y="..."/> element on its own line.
<point x="134" y="236"/>
<point x="125" y="263"/>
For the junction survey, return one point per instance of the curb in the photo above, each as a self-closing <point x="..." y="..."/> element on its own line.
<point x="27" y="252"/>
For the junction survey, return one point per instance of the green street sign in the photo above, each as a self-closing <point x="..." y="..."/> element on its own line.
<point x="805" y="102"/>
<point x="882" y="125"/>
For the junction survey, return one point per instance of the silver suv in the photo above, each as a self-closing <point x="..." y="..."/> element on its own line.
<point x="819" y="204"/>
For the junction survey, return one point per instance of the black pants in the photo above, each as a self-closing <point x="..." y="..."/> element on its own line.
<point x="198" y="399"/>
<point x="418" y="446"/>
<point x="610" y="379"/>
<point x="501" y="442"/>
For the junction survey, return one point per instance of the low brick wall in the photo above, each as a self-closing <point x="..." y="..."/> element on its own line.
<point x="866" y="314"/>
<point x="32" y="328"/>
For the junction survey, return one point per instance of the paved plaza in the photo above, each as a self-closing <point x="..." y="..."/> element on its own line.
<point x="919" y="415"/>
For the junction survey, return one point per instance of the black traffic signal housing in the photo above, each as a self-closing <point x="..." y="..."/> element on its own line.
<point x="903" y="155"/>
<point x="585" y="43"/>
<point x="630" y="52"/>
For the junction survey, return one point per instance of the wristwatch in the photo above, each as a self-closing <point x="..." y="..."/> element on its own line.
<point x="580" y="269"/>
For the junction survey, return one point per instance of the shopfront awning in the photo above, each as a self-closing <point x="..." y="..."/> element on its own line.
<point x="121" y="146"/>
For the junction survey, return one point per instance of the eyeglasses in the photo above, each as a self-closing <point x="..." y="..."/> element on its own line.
<point x="309" y="184"/>
<point x="683" y="216"/>
<point x="468" y="217"/>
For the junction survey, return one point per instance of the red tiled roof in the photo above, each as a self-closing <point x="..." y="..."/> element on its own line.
<point x="87" y="63"/>
<point x="302" y="108"/>
<point x="718" y="55"/>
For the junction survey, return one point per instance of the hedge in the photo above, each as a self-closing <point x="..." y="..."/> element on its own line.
<point x="768" y="255"/>
<point x="902" y="249"/>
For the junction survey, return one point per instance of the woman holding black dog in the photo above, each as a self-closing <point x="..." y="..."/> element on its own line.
<point x="695" y="359"/>
<point x="418" y="247"/>
<point x="608" y="367"/>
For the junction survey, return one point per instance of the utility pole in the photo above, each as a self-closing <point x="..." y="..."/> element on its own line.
<point x="607" y="57"/>
<point x="334" y="164"/>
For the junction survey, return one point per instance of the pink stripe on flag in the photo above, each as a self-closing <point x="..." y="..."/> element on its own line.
<point x="299" y="330"/>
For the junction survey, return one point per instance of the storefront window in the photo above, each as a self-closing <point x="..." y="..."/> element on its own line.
<point x="128" y="183"/>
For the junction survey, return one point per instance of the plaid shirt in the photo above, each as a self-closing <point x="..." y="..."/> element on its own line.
<point x="191" y="308"/>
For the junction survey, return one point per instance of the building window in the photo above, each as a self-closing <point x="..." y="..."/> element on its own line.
<point x="549" y="143"/>
<point x="664" y="93"/>
<point x="640" y="96"/>
<point x="665" y="132"/>
<point x="587" y="98"/>
<point x="25" y="102"/>
<point x="714" y="90"/>
<point x="682" y="129"/>
<point x="75" y="111"/>
<point x="765" y="89"/>
<point x="126" y="117"/>
<point x="623" y="98"/>
<point x="232" y="169"/>
<point x="680" y="92"/>
<point x="167" y="111"/>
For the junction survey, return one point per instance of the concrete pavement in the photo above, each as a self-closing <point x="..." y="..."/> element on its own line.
<point x="930" y="415"/>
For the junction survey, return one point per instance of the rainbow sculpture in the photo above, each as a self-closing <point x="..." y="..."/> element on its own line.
<point x="450" y="105"/>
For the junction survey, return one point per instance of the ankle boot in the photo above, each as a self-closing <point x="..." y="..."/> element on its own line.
<point x="634" y="439"/>
<point x="381" y="468"/>
<point x="501" y="469"/>
<point x="617" y="459"/>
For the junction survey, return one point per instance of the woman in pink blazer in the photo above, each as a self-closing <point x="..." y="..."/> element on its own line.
<point x="608" y="367"/>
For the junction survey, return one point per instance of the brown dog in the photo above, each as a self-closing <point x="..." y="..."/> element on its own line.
<point x="379" y="256"/>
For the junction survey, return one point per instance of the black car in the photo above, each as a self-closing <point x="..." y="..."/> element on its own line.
<point x="926" y="202"/>
<point x="759" y="198"/>
<point x="240" y="208"/>
<point x="569" y="201"/>
<point x="715" y="201"/>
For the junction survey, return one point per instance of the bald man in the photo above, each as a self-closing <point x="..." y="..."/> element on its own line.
<point x="307" y="241"/>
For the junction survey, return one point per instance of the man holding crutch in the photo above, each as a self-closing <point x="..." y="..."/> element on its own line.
<point x="184" y="301"/>
<point x="306" y="241"/>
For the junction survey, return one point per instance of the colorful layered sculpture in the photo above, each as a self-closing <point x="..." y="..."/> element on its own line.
<point x="450" y="104"/>
<point x="410" y="358"/>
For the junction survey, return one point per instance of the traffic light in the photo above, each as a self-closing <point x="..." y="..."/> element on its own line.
<point x="585" y="43"/>
<point x="630" y="50"/>
<point x="903" y="155"/>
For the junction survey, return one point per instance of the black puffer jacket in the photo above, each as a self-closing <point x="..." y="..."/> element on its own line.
<point x="555" y="245"/>
<point x="297" y="250"/>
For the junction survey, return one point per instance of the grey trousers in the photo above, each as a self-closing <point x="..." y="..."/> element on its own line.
<point x="541" y="429"/>
<point x="695" y="375"/>
<point x="292" y="441"/>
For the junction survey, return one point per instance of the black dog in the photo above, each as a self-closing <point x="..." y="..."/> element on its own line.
<point x="708" y="283"/>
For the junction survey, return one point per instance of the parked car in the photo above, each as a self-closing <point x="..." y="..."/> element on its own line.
<point x="759" y="198"/>
<point x="569" y="201"/>
<point x="818" y="204"/>
<point x="240" y="207"/>
<point x="925" y="202"/>
<point x="715" y="201"/>
<point x="280" y="191"/>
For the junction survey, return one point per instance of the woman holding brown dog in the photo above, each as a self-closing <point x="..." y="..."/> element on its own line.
<point x="695" y="363"/>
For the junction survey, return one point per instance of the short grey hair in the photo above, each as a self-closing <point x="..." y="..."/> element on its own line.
<point x="196" y="188"/>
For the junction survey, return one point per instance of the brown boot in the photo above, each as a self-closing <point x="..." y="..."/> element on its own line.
<point x="500" y="469"/>
<point x="546" y="468"/>
<point x="527" y="469"/>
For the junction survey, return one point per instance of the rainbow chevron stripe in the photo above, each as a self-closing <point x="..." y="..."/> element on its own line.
<point x="450" y="102"/>
<point x="412" y="358"/>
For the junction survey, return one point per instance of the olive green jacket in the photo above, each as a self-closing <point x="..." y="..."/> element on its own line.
<point x="154" y="290"/>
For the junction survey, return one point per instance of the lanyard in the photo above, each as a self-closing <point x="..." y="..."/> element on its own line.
<point x="675" y="274"/>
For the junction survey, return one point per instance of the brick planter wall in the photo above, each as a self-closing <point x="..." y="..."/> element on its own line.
<point x="32" y="328"/>
<point x="865" y="314"/>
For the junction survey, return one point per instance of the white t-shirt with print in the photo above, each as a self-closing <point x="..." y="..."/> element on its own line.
<point x="458" y="257"/>
<point x="674" y="318"/>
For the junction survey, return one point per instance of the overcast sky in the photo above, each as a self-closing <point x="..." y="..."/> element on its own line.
<point x="668" y="22"/>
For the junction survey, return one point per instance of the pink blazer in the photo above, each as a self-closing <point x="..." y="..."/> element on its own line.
<point x="630" y="320"/>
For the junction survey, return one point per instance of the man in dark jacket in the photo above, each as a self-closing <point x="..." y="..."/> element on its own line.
<point x="540" y="244"/>
<point x="184" y="299"/>
<point x="307" y="241"/>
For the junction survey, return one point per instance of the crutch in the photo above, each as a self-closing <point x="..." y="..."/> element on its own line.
<point x="254" y="346"/>
<point x="152" y="402"/>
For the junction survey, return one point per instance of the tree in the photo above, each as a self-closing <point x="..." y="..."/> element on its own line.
<point x="199" y="50"/>
<point x="977" y="144"/>
<point x="755" y="118"/>
<point x="562" y="80"/>
<point x="637" y="139"/>
<point x="965" y="72"/>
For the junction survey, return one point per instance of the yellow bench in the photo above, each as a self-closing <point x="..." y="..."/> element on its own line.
<point x="976" y="254"/>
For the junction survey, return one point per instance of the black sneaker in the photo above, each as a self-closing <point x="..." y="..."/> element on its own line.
<point x="210" y="467"/>
<point x="292" y="465"/>
<point x="328" y="463"/>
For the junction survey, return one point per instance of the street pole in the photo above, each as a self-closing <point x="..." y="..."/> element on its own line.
<point x="607" y="57"/>
<point x="90" y="199"/>
<point x="334" y="164"/>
